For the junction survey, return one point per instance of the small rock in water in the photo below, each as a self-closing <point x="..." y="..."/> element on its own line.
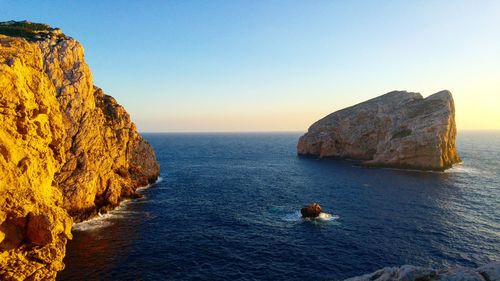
<point x="311" y="211"/>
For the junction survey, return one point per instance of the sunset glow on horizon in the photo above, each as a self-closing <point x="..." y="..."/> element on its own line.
<point x="235" y="66"/>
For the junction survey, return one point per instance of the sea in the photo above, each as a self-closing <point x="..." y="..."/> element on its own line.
<point x="227" y="208"/>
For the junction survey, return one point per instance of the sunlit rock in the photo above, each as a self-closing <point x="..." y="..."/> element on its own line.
<point x="399" y="129"/>
<point x="67" y="150"/>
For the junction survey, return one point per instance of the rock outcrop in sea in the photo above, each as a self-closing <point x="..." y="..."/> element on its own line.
<point x="399" y="129"/>
<point x="489" y="272"/>
<point x="67" y="150"/>
<point x="312" y="210"/>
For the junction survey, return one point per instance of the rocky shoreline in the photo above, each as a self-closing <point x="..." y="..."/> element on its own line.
<point x="67" y="150"/>
<point x="488" y="272"/>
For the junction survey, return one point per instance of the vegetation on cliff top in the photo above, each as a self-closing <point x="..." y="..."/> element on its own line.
<point x="28" y="30"/>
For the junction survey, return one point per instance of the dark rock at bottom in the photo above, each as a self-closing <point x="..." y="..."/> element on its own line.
<point x="489" y="272"/>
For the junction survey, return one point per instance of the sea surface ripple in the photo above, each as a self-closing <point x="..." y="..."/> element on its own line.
<point x="227" y="209"/>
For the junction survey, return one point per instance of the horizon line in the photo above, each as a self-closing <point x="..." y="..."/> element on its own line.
<point x="216" y="132"/>
<point x="273" y="131"/>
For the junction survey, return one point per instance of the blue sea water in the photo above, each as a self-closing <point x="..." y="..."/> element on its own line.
<point x="227" y="209"/>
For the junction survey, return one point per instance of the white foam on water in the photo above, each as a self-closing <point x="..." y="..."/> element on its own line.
<point x="327" y="217"/>
<point x="297" y="217"/>
<point x="139" y="189"/>
<point x="104" y="220"/>
<point x="463" y="169"/>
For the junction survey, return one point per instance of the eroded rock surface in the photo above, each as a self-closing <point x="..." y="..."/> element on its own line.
<point x="489" y="272"/>
<point x="399" y="129"/>
<point x="312" y="210"/>
<point x="67" y="151"/>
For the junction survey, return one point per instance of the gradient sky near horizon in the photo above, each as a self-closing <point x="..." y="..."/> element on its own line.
<point x="244" y="65"/>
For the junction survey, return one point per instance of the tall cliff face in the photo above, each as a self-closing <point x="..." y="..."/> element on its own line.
<point x="398" y="129"/>
<point x="67" y="151"/>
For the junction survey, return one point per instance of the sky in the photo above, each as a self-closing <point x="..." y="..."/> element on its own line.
<point x="279" y="65"/>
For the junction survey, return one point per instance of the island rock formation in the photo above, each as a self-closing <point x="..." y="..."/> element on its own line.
<point x="399" y="129"/>
<point x="313" y="210"/>
<point x="67" y="150"/>
<point x="489" y="272"/>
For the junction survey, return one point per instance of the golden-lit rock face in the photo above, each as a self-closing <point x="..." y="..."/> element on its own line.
<point x="398" y="129"/>
<point x="67" y="151"/>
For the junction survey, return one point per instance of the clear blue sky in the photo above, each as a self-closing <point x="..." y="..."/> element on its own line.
<point x="279" y="65"/>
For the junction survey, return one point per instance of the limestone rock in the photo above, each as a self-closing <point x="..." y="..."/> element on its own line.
<point x="399" y="129"/>
<point x="489" y="272"/>
<point x="67" y="150"/>
<point x="312" y="210"/>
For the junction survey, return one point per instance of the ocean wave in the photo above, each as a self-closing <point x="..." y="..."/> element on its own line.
<point x="142" y="188"/>
<point x="464" y="169"/>
<point x="100" y="221"/>
<point x="104" y="220"/>
<point x="297" y="217"/>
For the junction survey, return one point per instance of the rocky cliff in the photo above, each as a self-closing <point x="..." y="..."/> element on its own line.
<point x="399" y="129"/>
<point x="67" y="150"/>
<point x="489" y="272"/>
